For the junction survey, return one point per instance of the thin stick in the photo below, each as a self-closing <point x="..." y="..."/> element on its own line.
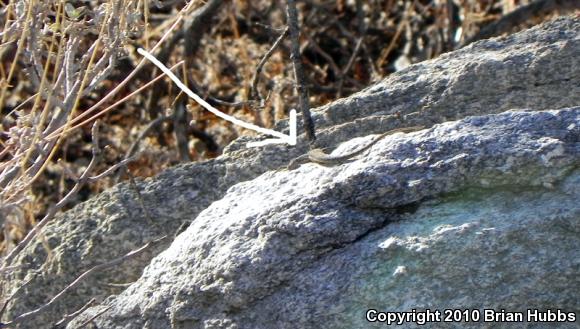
<point x="303" y="103"/>
<point x="95" y="316"/>
<point x="80" y="278"/>
<point x="3" y="309"/>
<point x="345" y="70"/>
<point x="122" y="100"/>
<point x="254" y="93"/>
<point x="69" y="317"/>
<point x="83" y="179"/>
<point x="121" y="85"/>
<point x="135" y="145"/>
<point x="386" y="51"/>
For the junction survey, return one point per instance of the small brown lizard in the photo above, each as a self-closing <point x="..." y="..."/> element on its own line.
<point x="318" y="155"/>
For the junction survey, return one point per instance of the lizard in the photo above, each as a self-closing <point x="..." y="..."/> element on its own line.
<point x="319" y="156"/>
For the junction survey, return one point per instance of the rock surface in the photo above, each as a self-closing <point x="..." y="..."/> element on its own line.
<point x="478" y="213"/>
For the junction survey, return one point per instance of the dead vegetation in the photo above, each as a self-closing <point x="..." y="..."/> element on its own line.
<point x="65" y="64"/>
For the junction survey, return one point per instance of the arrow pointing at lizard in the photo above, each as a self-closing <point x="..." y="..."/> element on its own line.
<point x="281" y="138"/>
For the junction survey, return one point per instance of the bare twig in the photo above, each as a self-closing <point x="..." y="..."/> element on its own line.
<point x="357" y="47"/>
<point x="337" y="71"/>
<point x="212" y="100"/>
<point x="124" y="99"/>
<point x="7" y="301"/>
<point x="111" y="169"/>
<point x="374" y="72"/>
<point x="83" y="179"/>
<point x="360" y="17"/>
<point x="69" y="317"/>
<point x="254" y="93"/>
<point x="345" y="70"/>
<point x="180" y="129"/>
<point x="114" y="91"/>
<point x="9" y="268"/>
<point x="135" y="145"/>
<point x="386" y="51"/>
<point x="26" y="316"/>
<point x="196" y="24"/>
<point x="216" y="101"/>
<point x="303" y="104"/>
<point x="89" y="320"/>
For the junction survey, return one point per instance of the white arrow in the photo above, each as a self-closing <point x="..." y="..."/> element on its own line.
<point x="281" y="138"/>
